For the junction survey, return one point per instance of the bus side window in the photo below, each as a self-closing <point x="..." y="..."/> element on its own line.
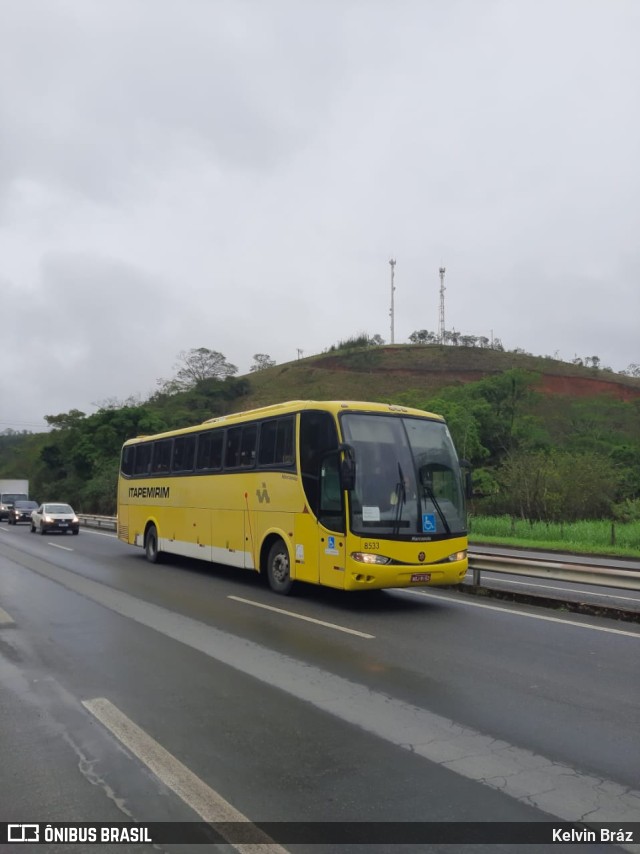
<point x="209" y="455"/>
<point x="143" y="459"/>
<point x="183" y="453"/>
<point x="232" y="452"/>
<point x="128" y="458"/>
<point x="268" y="433"/>
<point x="248" y="446"/>
<point x="276" y="446"/>
<point x="161" y="459"/>
<point x="285" y="442"/>
<point x="330" y="512"/>
<point x="318" y="435"/>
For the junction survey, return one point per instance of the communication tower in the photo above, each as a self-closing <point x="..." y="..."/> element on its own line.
<point x="442" y="290"/>
<point x="392" y="264"/>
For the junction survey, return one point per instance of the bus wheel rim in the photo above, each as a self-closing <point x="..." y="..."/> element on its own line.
<point x="280" y="568"/>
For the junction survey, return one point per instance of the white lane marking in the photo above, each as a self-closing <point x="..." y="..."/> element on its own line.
<point x="6" y="619"/>
<point x="56" y="546"/>
<point x="301" y="617"/>
<point x="565" y="589"/>
<point x="576" y="625"/>
<point x="202" y="799"/>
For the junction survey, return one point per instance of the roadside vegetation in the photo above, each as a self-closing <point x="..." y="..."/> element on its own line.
<point x="543" y="462"/>
<point x="595" y="536"/>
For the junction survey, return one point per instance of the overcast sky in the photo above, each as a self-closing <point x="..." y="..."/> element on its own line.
<point x="236" y="175"/>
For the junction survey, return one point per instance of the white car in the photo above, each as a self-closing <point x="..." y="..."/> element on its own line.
<point x="54" y="517"/>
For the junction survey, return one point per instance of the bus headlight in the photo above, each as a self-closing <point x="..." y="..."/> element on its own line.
<point x="457" y="556"/>
<point x="367" y="557"/>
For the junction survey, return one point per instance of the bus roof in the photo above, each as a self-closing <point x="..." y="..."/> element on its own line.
<point x="292" y="406"/>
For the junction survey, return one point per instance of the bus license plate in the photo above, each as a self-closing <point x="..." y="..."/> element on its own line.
<point x="421" y="576"/>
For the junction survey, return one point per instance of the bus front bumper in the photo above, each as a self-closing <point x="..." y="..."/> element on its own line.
<point x="361" y="576"/>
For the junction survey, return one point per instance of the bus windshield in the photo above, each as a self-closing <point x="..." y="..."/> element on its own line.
<point x="408" y="482"/>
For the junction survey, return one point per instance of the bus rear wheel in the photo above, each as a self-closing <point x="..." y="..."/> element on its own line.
<point x="278" y="569"/>
<point x="151" y="545"/>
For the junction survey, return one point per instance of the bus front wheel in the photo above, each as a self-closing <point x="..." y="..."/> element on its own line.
<point x="151" y="545"/>
<point x="278" y="570"/>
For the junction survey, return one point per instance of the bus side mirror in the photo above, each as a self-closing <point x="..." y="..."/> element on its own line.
<point x="347" y="468"/>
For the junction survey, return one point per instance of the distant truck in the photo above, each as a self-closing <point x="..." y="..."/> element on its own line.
<point x="10" y="492"/>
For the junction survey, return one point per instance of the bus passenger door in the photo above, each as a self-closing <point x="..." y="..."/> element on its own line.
<point x="331" y="523"/>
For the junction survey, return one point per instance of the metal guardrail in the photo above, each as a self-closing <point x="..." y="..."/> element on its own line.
<point x="109" y="522"/>
<point x="554" y="570"/>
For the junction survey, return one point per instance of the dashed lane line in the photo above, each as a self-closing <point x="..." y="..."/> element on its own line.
<point x="302" y="617"/>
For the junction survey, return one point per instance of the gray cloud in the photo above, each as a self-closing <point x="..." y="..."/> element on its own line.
<point x="237" y="178"/>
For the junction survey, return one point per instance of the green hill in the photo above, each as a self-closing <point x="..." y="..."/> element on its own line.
<point x="547" y="440"/>
<point x="381" y="372"/>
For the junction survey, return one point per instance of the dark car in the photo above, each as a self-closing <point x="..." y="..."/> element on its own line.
<point x="21" y="511"/>
<point x="7" y="500"/>
<point x="54" y="517"/>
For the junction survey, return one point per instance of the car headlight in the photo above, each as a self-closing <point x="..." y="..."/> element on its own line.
<point x="457" y="556"/>
<point x="367" y="557"/>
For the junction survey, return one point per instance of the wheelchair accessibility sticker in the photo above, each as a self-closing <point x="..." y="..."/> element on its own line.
<point x="429" y="523"/>
<point x="331" y="546"/>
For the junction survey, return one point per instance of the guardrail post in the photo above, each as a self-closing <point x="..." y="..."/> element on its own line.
<point x="476" y="578"/>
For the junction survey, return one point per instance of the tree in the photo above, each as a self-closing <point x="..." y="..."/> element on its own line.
<point x="468" y="340"/>
<point x="463" y="425"/>
<point x="65" y="419"/>
<point x="358" y="342"/>
<point x="196" y="365"/>
<point x="558" y="486"/>
<point x="261" y="362"/>
<point x="423" y="336"/>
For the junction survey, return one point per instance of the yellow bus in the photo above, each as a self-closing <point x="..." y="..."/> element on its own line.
<point x="351" y="495"/>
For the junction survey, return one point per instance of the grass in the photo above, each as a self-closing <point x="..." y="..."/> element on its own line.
<point x="584" y="537"/>
<point x="384" y="372"/>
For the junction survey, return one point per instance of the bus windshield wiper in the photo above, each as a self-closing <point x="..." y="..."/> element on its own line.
<point x="434" y="501"/>
<point x="401" y="497"/>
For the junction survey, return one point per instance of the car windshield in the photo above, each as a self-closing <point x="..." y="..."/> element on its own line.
<point x="25" y="505"/>
<point x="57" y="508"/>
<point x="408" y="481"/>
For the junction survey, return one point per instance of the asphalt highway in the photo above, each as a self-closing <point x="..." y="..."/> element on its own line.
<point x="186" y="692"/>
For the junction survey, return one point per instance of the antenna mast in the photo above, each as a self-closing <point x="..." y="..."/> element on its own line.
<point x="442" y="290"/>
<point x="392" y="264"/>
